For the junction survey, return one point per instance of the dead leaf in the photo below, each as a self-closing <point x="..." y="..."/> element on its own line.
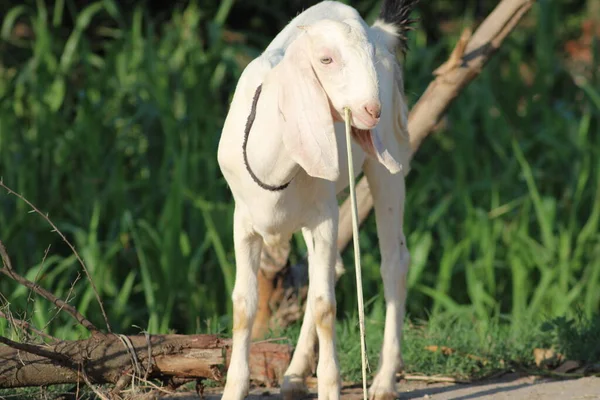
<point x="568" y="366"/>
<point x="547" y="358"/>
<point x="447" y="351"/>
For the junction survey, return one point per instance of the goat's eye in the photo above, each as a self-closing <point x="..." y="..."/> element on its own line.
<point x="326" y="60"/>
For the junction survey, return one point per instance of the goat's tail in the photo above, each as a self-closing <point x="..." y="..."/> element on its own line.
<point x="394" y="21"/>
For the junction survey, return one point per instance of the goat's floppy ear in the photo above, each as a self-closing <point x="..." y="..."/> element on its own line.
<point x="308" y="132"/>
<point x="372" y="144"/>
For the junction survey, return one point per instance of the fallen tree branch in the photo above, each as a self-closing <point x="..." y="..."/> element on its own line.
<point x="105" y="359"/>
<point x="117" y="359"/>
<point x="465" y="63"/>
<point x="37" y="350"/>
<point x="8" y="271"/>
<point x="482" y="44"/>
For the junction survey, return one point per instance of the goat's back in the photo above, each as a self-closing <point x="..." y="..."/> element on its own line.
<point x="324" y="10"/>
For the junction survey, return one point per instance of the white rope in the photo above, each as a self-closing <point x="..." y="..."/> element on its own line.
<point x="357" y="266"/>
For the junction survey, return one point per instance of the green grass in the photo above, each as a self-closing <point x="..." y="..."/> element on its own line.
<point x="112" y="128"/>
<point x="576" y="338"/>
<point x="477" y="349"/>
<point x="464" y="347"/>
<point x="35" y="393"/>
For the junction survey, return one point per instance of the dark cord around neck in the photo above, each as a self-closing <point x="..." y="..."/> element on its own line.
<point x="249" y="123"/>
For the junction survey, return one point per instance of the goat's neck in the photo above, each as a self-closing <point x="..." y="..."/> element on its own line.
<point x="267" y="155"/>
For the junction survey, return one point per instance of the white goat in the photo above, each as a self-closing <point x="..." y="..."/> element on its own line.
<point x="282" y="152"/>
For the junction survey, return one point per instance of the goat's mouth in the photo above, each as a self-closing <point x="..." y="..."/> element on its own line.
<point x="368" y="123"/>
<point x="362" y="137"/>
<point x="358" y="133"/>
<point x="357" y="121"/>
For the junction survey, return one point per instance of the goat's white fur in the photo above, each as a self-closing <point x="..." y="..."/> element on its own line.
<point x="298" y="135"/>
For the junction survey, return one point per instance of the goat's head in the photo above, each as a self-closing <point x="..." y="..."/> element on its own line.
<point x="330" y="66"/>
<point x="343" y="60"/>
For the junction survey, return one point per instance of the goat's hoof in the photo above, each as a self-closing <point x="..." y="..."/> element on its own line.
<point x="235" y="391"/>
<point x="293" y="387"/>
<point x="383" y="389"/>
<point x="383" y="396"/>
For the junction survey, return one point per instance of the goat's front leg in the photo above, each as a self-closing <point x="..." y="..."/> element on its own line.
<point x="248" y="245"/>
<point x="388" y="198"/>
<point x="320" y="240"/>
<point x="302" y="364"/>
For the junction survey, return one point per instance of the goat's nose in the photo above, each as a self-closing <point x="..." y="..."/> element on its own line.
<point x="373" y="108"/>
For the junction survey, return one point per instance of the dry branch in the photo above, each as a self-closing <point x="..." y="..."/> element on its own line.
<point x="465" y="63"/>
<point x="105" y="359"/>
<point x="10" y="272"/>
<point x="62" y="236"/>
<point x="50" y="297"/>
<point x="25" y="325"/>
<point x="482" y="44"/>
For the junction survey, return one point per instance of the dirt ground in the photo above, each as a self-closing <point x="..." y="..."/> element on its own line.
<point x="510" y="386"/>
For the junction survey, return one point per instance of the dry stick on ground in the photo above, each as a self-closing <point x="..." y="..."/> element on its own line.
<point x="432" y="379"/>
<point x="470" y="55"/>
<point x="55" y="229"/>
<point x="105" y="360"/>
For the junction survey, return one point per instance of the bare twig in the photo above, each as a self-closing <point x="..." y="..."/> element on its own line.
<point x="27" y="325"/>
<point x="37" y="350"/>
<point x="92" y="387"/>
<point x="149" y="384"/>
<point x="433" y="378"/>
<point x="29" y="297"/>
<point x="271" y="340"/>
<point x="55" y="229"/>
<point x="5" y="258"/>
<point x="457" y="54"/>
<point x="67" y="299"/>
<point x="8" y="271"/>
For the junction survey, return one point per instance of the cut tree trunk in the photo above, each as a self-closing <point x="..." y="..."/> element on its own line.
<point x="106" y="359"/>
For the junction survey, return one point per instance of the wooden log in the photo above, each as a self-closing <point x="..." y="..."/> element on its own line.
<point x="105" y="359"/>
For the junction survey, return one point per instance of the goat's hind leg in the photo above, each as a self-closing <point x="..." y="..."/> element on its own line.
<point x="388" y="197"/>
<point x="248" y="245"/>
<point x="293" y="386"/>
<point x="303" y="361"/>
<point x="319" y="317"/>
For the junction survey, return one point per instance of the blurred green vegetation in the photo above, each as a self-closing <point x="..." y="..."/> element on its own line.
<point x="110" y="115"/>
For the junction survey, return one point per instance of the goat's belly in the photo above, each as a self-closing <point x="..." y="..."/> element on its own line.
<point x="275" y="232"/>
<point x="277" y="240"/>
<point x="274" y="218"/>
